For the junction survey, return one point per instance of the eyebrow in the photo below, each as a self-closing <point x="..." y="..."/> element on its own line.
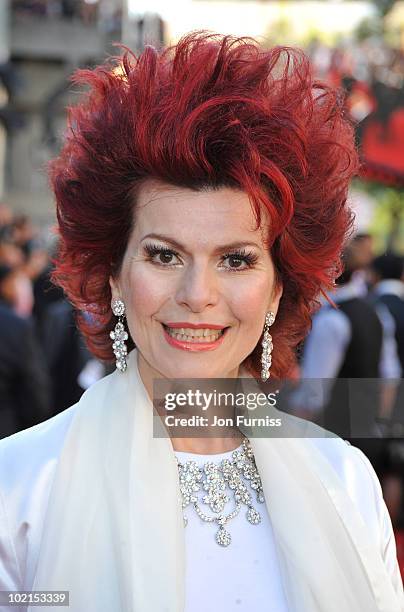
<point x="220" y="249"/>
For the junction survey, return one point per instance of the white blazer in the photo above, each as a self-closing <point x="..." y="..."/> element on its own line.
<point x="28" y="462"/>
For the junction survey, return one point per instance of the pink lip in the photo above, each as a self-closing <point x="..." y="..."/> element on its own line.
<point x="193" y="346"/>
<point x="194" y="325"/>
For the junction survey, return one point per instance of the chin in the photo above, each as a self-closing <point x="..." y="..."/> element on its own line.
<point x="187" y="371"/>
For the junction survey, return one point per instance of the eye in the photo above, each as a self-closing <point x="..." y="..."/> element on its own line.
<point x="160" y="255"/>
<point x="163" y="256"/>
<point x="240" y="260"/>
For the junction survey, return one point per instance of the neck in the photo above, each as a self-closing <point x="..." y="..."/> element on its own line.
<point x="208" y="445"/>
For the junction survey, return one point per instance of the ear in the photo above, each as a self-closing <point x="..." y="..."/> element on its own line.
<point x="276" y="297"/>
<point x="115" y="291"/>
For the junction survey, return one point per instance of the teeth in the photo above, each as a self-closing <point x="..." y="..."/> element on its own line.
<point x="195" y="335"/>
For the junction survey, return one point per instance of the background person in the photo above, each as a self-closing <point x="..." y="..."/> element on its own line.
<point x="25" y="398"/>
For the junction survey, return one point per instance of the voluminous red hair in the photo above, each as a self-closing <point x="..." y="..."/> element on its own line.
<point x="210" y="111"/>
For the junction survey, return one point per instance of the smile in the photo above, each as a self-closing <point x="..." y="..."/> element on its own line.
<point x="190" y="339"/>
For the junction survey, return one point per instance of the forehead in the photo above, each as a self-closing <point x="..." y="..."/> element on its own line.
<point x="209" y="215"/>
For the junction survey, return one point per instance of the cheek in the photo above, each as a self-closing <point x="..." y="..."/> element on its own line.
<point x="143" y="294"/>
<point x="249" y="299"/>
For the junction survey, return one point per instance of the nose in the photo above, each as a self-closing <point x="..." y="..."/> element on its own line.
<point x="197" y="288"/>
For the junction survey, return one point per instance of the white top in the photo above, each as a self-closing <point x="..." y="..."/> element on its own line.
<point x="242" y="577"/>
<point x="27" y="466"/>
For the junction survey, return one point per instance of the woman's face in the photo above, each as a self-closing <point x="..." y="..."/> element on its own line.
<point x="194" y="259"/>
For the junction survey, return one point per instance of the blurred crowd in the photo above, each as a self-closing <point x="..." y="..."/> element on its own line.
<point x="105" y="13"/>
<point x="44" y="365"/>
<point x="362" y="339"/>
<point x="372" y="74"/>
<point x="367" y="60"/>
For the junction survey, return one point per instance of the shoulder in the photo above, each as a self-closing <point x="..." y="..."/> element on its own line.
<point x="363" y="486"/>
<point x="28" y="461"/>
<point x="23" y="453"/>
<point x="28" y="458"/>
<point x="351" y="466"/>
<point x="357" y="474"/>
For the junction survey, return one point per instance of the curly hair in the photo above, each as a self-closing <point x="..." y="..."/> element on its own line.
<point x="211" y="111"/>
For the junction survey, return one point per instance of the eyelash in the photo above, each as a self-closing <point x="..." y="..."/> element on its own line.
<point x="249" y="257"/>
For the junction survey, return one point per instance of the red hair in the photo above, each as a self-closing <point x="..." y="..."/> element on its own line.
<point x="210" y="111"/>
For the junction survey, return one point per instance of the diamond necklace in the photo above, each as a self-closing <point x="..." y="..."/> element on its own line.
<point x="214" y="478"/>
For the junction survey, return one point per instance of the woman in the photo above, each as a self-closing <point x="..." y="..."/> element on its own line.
<point x="202" y="188"/>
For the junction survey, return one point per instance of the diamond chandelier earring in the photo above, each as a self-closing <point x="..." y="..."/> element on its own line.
<point x="267" y="346"/>
<point x="119" y="335"/>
